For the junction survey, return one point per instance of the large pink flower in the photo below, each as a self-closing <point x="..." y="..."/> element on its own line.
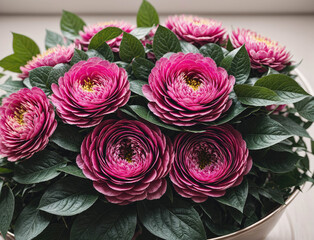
<point x="127" y="160"/>
<point x="90" y="90"/>
<point x="196" y="30"/>
<point x="187" y="89"/>
<point x="207" y="164"/>
<point x="27" y="120"/>
<point x="51" y="57"/>
<point x="90" y="31"/>
<point x="262" y="51"/>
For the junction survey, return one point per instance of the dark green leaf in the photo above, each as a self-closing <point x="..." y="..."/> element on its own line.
<point x="188" y="47"/>
<point x="68" y="197"/>
<point x="24" y="47"/>
<point x="53" y="39"/>
<point x="213" y="51"/>
<point x="27" y="83"/>
<point x="12" y="63"/>
<point x="306" y="108"/>
<point x="39" y="168"/>
<point x="106" y="51"/>
<point x="251" y="220"/>
<point x="136" y="86"/>
<point x="78" y="55"/>
<point x="147" y="15"/>
<point x="165" y="41"/>
<point x="5" y="170"/>
<point x="180" y="221"/>
<point x="229" y="46"/>
<point x="31" y="222"/>
<point x="72" y="170"/>
<point x="141" y="32"/>
<point x="6" y="209"/>
<point x="38" y="77"/>
<point x="55" y="231"/>
<point x="142" y="68"/>
<point x="236" y="197"/>
<point x="11" y="86"/>
<point x="104" y="36"/>
<point x="105" y="222"/>
<point x="71" y="25"/>
<point x="57" y="71"/>
<point x="1" y="184"/>
<point x="130" y="48"/>
<point x="236" y="215"/>
<point x="288" y="90"/>
<point x="220" y="229"/>
<point x="272" y="194"/>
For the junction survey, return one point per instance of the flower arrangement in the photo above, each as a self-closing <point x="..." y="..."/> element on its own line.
<point x="180" y="131"/>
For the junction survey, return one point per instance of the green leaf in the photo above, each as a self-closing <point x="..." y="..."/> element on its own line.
<point x="53" y="39"/>
<point x="6" y="209"/>
<point x="72" y="170"/>
<point x="104" y="36"/>
<point x="11" y="86"/>
<point x="55" y="231"/>
<point x="1" y="184"/>
<point x="147" y="15"/>
<point x="179" y="221"/>
<point x="39" y="168"/>
<point x="142" y="68"/>
<point x="256" y="96"/>
<point x="290" y="125"/>
<point x="220" y="229"/>
<point x="141" y="32"/>
<point x="56" y="72"/>
<point x="263" y="132"/>
<point x="136" y="86"/>
<point x="278" y="162"/>
<point x="165" y="41"/>
<point x="71" y="25"/>
<point x="130" y="48"/>
<point x="67" y="137"/>
<point x="306" y="108"/>
<point x="237" y="63"/>
<point x="285" y="87"/>
<point x="5" y="171"/>
<point x="12" y="63"/>
<point x="213" y="51"/>
<point x="272" y="194"/>
<point x="107" y="52"/>
<point x="188" y="47"/>
<point x="68" y="197"/>
<point x="147" y="115"/>
<point x="105" y="222"/>
<point x="38" y="77"/>
<point x="229" y="46"/>
<point x="236" y="197"/>
<point x="27" y="83"/>
<point x="78" y="55"/>
<point x="24" y="47"/>
<point x="31" y="222"/>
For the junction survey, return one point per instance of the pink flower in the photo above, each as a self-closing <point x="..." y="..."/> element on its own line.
<point x="27" y="120"/>
<point x="187" y="89"/>
<point x="276" y="109"/>
<point x="207" y="164"/>
<point x="90" y="31"/>
<point x="127" y="160"/>
<point x="90" y="90"/>
<point x="196" y="30"/>
<point x="52" y="57"/>
<point x="262" y="51"/>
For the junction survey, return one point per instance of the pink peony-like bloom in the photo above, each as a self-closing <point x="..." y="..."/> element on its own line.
<point x="187" y="89"/>
<point x="51" y="57"/>
<point x="207" y="164"/>
<point x="90" y="31"/>
<point x="90" y="90"/>
<point x="262" y="51"/>
<point x="196" y="30"/>
<point x="127" y="160"/>
<point x="27" y="120"/>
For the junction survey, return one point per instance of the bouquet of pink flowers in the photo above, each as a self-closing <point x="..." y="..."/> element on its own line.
<point x="173" y="131"/>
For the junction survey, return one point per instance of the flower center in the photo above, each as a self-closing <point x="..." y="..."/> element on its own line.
<point x="19" y="115"/>
<point x="126" y="150"/>
<point x="88" y="85"/>
<point x="192" y="82"/>
<point x="205" y="158"/>
<point x="259" y="38"/>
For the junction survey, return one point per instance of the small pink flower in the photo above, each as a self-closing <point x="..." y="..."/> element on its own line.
<point x="90" y="90"/>
<point x="90" y="31"/>
<point x="127" y="160"/>
<point x="187" y="89"/>
<point x="27" y="120"/>
<point x="52" y="57"/>
<point x="276" y="109"/>
<point x="196" y="30"/>
<point x="207" y="164"/>
<point x="262" y="51"/>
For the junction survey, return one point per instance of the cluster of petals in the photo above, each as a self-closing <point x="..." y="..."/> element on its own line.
<point x="263" y="51"/>
<point x="27" y="120"/>
<point x="207" y="164"/>
<point x="187" y="89"/>
<point x="89" y="32"/>
<point x="90" y="90"/>
<point x="196" y="30"/>
<point x="51" y="57"/>
<point x="126" y="160"/>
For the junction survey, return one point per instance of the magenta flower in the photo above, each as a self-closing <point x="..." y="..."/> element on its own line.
<point x="262" y="51"/>
<point x="207" y="164"/>
<point x="27" y="120"/>
<point x="52" y="57"/>
<point x="187" y="89"/>
<point x="90" y="90"/>
<point x="196" y="30"/>
<point x="127" y="160"/>
<point x="90" y="31"/>
<point x="276" y="109"/>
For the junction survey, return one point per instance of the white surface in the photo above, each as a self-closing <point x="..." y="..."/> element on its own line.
<point x="295" y="32"/>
